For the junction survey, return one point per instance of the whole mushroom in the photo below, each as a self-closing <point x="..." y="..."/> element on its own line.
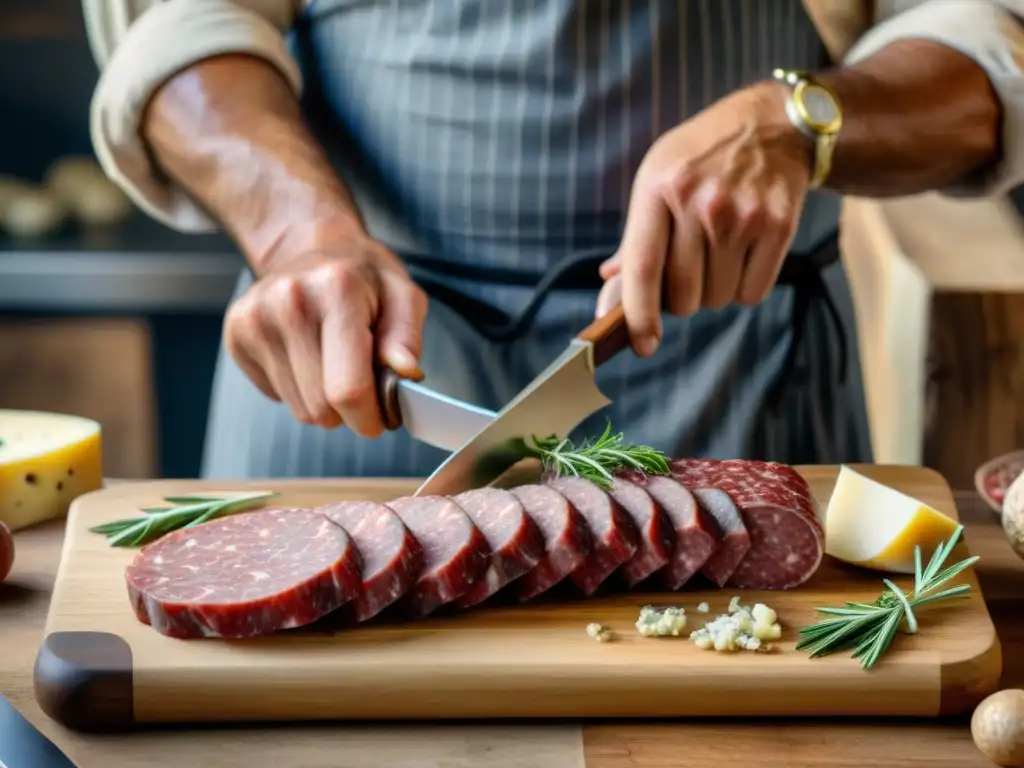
<point x="998" y="728"/>
<point x="1013" y="515"/>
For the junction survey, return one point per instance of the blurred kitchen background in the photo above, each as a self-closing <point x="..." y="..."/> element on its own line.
<point x="118" y="322"/>
<point x="121" y="322"/>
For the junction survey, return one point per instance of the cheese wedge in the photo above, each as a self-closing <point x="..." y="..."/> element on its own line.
<point x="874" y="526"/>
<point x="47" y="460"/>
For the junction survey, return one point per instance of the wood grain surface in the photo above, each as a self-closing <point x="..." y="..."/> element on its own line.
<point x="975" y="382"/>
<point x="733" y="743"/>
<point x="459" y="666"/>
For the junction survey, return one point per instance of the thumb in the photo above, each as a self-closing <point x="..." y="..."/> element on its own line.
<point x="403" y="310"/>
<point x="610" y="267"/>
<point x="611" y="294"/>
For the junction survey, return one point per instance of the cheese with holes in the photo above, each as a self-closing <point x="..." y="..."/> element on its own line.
<point x="47" y="460"/>
<point x="874" y="526"/>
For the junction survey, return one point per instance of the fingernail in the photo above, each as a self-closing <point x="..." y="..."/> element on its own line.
<point x="404" y="362"/>
<point x="646" y="346"/>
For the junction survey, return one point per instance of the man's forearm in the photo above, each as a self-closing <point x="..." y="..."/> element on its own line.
<point x="229" y="131"/>
<point x="916" y="116"/>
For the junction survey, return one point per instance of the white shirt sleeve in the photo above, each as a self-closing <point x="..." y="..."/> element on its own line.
<point x="139" y="45"/>
<point x="990" y="32"/>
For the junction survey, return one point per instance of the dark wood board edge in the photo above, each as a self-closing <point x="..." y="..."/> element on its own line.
<point x="84" y="681"/>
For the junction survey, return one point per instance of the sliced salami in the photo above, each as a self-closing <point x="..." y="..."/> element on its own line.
<point x="697" y="534"/>
<point x="735" y="541"/>
<point x="391" y="555"/>
<point x="657" y="536"/>
<point x="614" y="537"/>
<point x="779" y="511"/>
<point x="566" y="537"/>
<point x="515" y="541"/>
<point x="246" y="575"/>
<point x="694" y="473"/>
<point x="455" y="553"/>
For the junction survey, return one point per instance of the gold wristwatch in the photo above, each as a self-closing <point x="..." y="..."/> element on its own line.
<point x="815" y="111"/>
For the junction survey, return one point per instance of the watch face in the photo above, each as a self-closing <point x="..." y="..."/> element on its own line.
<point x="821" y="108"/>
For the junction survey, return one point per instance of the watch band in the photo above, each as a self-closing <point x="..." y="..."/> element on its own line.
<point x="824" y="135"/>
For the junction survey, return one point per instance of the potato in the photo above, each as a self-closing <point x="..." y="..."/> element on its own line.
<point x="90" y="197"/>
<point x="1013" y="515"/>
<point x="6" y="550"/>
<point x="998" y="728"/>
<point x="31" y="212"/>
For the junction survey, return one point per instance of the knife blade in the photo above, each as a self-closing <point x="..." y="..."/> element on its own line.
<point x="429" y="416"/>
<point x="22" y="745"/>
<point x="555" y="402"/>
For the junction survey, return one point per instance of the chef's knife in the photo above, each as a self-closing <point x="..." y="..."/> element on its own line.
<point x="555" y="402"/>
<point x="427" y="415"/>
<point x="22" y="745"/>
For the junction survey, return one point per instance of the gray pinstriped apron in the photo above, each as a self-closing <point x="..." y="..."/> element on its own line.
<point x="492" y="144"/>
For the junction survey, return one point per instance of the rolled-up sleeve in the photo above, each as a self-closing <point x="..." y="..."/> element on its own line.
<point x="139" y="45"/>
<point x="990" y="32"/>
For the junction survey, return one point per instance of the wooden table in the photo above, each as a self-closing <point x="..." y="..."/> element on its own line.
<point x="725" y="744"/>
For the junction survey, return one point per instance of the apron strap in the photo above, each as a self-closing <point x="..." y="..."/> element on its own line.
<point x="805" y="274"/>
<point x="802" y="272"/>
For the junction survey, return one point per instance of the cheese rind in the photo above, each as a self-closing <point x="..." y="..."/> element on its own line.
<point x="871" y="525"/>
<point x="47" y="460"/>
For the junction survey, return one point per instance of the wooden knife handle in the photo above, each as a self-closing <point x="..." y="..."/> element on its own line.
<point x="387" y="397"/>
<point x="608" y="334"/>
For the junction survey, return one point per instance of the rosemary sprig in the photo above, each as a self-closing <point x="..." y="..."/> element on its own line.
<point x="870" y="628"/>
<point x="597" y="460"/>
<point x="190" y="510"/>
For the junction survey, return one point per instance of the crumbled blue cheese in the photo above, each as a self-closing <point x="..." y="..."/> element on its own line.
<point x="741" y="629"/>
<point x="703" y="608"/>
<point x="599" y="632"/>
<point x="661" y="622"/>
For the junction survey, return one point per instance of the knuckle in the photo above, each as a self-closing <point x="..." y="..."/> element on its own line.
<point x="750" y="215"/>
<point x="718" y="204"/>
<point x="646" y="268"/>
<point x="340" y="278"/>
<point x="350" y="396"/>
<point x="244" y="320"/>
<point x="680" y="182"/>
<point x="288" y="299"/>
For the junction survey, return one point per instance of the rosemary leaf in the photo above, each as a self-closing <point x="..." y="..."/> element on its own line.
<point x="596" y="460"/>
<point x="871" y="628"/>
<point x="190" y="511"/>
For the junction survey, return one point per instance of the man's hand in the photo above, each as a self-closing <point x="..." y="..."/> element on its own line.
<point x="309" y="332"/>
<point x="714" y="207"/>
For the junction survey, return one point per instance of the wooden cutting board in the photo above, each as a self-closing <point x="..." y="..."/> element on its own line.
<point x="100" y="667"/>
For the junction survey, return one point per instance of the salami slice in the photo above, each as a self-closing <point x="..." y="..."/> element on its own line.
<point x="246" y="575"/>
<point x="697" y="535"/>
<point x="779" y="511"/>
<point x="515" y="541"/>
<point x="455" y="553"/>
<point x="657" y="536"/>
<point x="735" y="541"/>
<point x="566" y="538"/>
<point x="391" y="555"/>
<point x="614" y="537"/>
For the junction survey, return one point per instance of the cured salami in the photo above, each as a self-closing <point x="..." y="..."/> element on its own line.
<point x="735" y="541"/>
<point x="391" y="555"/>
<point x="455" y="553"/>
<point x="697" y="534"/>
<point x="778" y="511"/>
<point x="515" y="541"/>
<point x="786" y="536"/>
<point x="566" y="538"/>
<point x="614" y="537"/>
<point x="246" y="575"/>
<point x="657" y="536"/>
